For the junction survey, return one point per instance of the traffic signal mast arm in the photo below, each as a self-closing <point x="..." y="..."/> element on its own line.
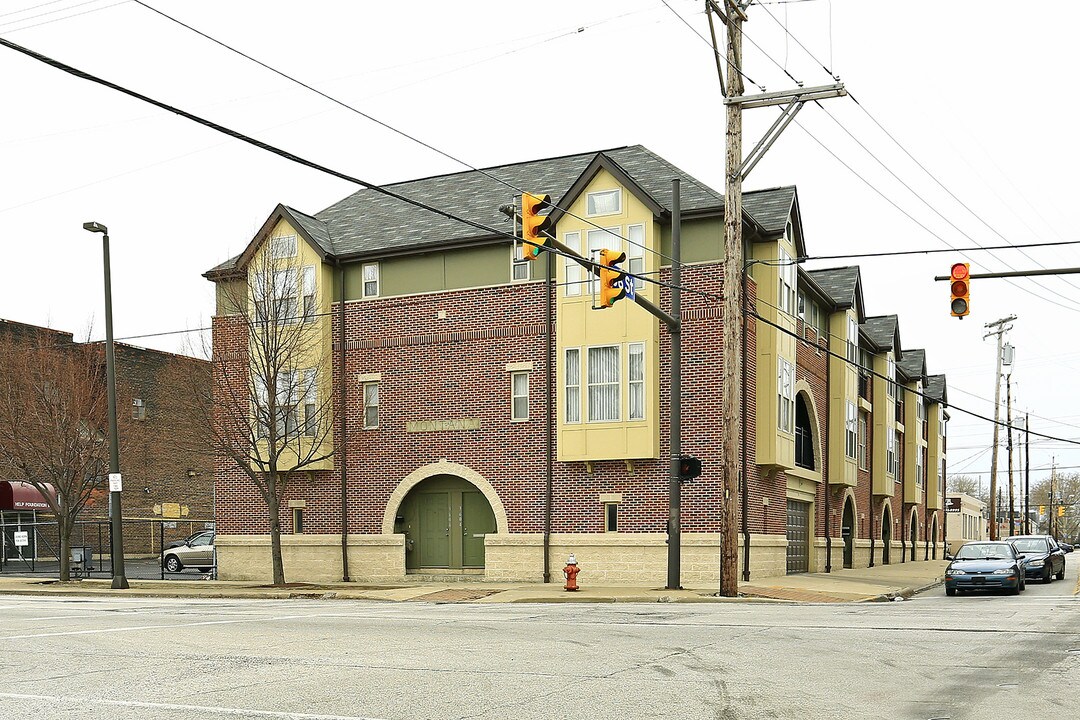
<point x="594" y="268"/>
<point x="1018" y="273"/>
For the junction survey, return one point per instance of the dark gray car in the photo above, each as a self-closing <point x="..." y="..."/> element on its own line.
<point x="1043" y="557"/>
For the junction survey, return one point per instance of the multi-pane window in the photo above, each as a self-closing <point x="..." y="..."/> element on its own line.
<point x="851" y="432"/>
<point x="371" y="280"/>
<point x="890" y="455"/>
<point x="519" y="396"/>
<point x="138" y="409"/>
<point x="307" y="291"/>
<point x="920" y="410"/>
<point x="863" y="423"/>
<point x="575" y="274"/>
<point x="918" y="466"/>
<point x="852" y="339"/>
<point x="311" y="420"/>
<point x="371" y="405"/>
<point x="604" y="383"/>
<point x="636" y="380"/>
<point x="284" y="298"/>
<point x="788" y="272"/>
<point x="607" y="238"/>
<point x="785" y="389"/>
<point x="520" y="269"/>
<point x="635" y="253"/>
<point x="286" y="398"/>
<point x="604" y="202"/>
<point x="573" y="385"/>
<point x="283" y="246"/>
<point x="890" y="374"/>
<point x="261" y="408"/>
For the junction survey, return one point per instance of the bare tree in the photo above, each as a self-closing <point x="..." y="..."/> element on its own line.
<point x="269" y="405"/>
<point x="969" y="486"/>
<point x="53" y="408"/>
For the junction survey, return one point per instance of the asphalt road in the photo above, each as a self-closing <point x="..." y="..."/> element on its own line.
<point x="929" y="657"/>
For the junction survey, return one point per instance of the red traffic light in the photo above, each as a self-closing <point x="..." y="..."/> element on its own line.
<point x="960" y="290"/>
<point x="689" y="467"/>
<point x="533" y="224"/>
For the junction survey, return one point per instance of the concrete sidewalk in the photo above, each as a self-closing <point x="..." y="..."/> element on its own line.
<point x="882" y="582"/>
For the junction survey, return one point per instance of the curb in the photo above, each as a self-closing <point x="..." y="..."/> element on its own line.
<point x="903" y="593"/>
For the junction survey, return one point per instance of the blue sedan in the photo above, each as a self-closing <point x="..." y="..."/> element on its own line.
<point x="985" y="566"/>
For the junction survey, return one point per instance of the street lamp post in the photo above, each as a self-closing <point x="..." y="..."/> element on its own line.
<point x="119" y="580"/>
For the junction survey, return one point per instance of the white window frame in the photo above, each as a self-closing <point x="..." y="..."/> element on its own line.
<point x="852" y="339"/>
<point x="573" y="274"/>
<point x="364" y="280"/>
<point x="310" y="402"/>
<point x="851" y="432"/>
<point x="635" y="249"/>
<point x="890" y="374"/>
<point x="283" y="246"/>
<point x="785" y="390"/>
<point x="890" y="453"/>
<point x="287" y="399"/>
<point x="515" y="396"/>
<point x="308" y="286"/>
<point x="519" y="265"/>
<point x="572" y="400"/>
<point x="285" y="290"/>
<point x="615" y="385"/>
<point x="617" y="192"/>
<point x="918" y="466"/>
<point x="864" y="428"/>
<point x="370" y="405"/>
<point x="606" y="238"/>
<point x="635" y="385"/>
<point x="787" y="284"/>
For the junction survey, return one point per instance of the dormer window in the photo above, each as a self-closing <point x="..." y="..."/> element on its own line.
<point x="604" y="202"/>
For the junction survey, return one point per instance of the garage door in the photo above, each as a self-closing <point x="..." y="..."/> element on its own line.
<point x="798" y="536"/>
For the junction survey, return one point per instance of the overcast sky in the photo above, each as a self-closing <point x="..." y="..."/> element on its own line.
<point x="973" y="91"/>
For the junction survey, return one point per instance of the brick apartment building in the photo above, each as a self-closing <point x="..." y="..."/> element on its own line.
<point x="455" y="463"/>
<point x="167" y="473"/>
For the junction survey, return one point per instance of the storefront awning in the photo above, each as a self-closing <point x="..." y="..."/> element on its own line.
<point x="19" y="495"/>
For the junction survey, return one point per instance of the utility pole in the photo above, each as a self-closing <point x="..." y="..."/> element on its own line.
<point x="1050" y="503"/>
<point x="1001" y="330"/>
<point x="737" y="167"/>
<point x="1008" y="421"/>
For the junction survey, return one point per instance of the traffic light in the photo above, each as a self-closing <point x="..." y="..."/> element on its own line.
<point x="533" y="224"/>
<point x="1061" y="511"/>
<point x="611" y="277"/>
<point x="689" y="467"/>
<point x="1042" y="510"/>
<point x="960" y="287"/>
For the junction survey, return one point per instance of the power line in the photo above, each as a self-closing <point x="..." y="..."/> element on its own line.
<point x="60" y="19"/>
<point x="932" y="251"/>
<point x="389" y="127"/>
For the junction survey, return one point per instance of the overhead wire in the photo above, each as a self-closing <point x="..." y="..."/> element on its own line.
<point x="60" y="19"/>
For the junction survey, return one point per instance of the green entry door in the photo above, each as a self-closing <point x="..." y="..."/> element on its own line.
<point x="445" y="520"/>
<point x="434" y="540"/>
<point x="477" y="520"/>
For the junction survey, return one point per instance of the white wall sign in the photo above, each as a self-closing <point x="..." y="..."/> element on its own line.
<point x="22" y="539"/>
<point x="116" y="483"/>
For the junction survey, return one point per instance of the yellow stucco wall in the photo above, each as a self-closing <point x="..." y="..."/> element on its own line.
<point x="775" y="446"/>
<point x="843" y="388"/>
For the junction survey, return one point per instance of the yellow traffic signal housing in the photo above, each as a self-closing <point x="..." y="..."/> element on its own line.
<point x="1061" y="511"/>
<point x="1042" y="510"/>
<point x="960" y="289"/>
<point x="533" y="224"/>
<point x="611" y="277"/>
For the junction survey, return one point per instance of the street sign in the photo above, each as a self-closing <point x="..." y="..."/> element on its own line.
<point x="628" y="286"/>
<point x="22" y="539"/>
<point x="116" y="483"/>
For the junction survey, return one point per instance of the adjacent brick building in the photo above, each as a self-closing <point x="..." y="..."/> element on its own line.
<point x="164" y="458"/>
<point x="495" y="422"/>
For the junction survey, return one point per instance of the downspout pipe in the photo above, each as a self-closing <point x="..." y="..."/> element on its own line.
<point x="827" y="467"/>
<point x="342" y="453"/>
<point x="549" y="287"/>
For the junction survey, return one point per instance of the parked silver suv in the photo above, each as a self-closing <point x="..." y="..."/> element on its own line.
<point x="197" y="552"/>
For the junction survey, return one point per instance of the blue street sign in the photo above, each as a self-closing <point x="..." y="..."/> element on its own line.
<point x="628" y="286"/>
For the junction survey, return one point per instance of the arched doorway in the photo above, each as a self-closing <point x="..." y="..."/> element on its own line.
<point x="847" y="532"/>
<point x="804" y="436"/>
<point x="914" y="532"/>
<point x="886" y="534"/>
<point x="932" y="540"/>
<point x="445" y="519"/>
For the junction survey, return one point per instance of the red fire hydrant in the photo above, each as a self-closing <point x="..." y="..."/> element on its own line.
<point x="570" y="571"/>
